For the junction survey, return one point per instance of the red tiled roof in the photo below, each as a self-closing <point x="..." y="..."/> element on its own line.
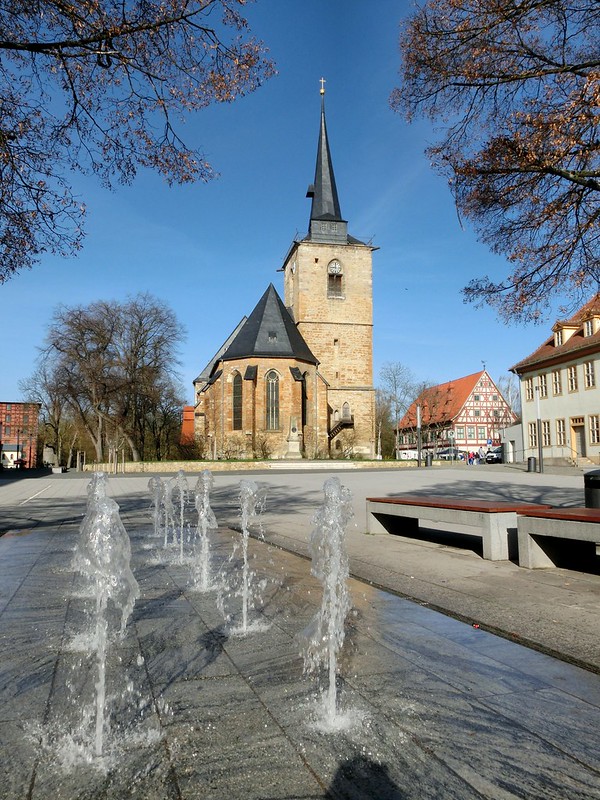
<point x="441" y="403"/>
<point x="548" y="351"/>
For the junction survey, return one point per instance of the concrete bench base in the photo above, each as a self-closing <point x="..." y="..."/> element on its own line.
<point x="493" y="521"/>
<point x="536" y="530"/>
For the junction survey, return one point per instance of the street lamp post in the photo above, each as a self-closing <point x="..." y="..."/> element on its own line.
<point x="539" y="430"/>
<point x="419" y="436"/>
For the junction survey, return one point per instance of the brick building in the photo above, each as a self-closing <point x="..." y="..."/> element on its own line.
<point x="295" y="378"/>
<point x="19" y="434"/>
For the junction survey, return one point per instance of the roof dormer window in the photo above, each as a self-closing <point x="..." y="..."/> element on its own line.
<point x="558" y="338"/>
<point x="588" y="327"/>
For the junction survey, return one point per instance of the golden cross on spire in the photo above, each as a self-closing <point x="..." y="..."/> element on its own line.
<point x="322" y="81"/>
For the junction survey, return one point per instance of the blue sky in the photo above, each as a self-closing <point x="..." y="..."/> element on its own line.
<point x="210" y="250"/>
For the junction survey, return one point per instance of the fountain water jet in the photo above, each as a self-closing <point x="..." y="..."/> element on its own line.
<point x="252" y="500"/>
<point x="180" y="489"/>
<point x="103" y="556"/>
<point x="206" y="520"/>
<point x="323" y="638"/>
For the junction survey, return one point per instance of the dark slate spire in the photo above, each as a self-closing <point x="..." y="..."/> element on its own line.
<point x="326" y="223"/>
<point x="269" y="331"/>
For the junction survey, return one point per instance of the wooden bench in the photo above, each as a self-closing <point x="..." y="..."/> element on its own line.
<point x="581" y="524"/>
<point x="493" y="520"/>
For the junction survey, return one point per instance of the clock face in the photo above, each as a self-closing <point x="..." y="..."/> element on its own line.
<point x="334" y="268"/>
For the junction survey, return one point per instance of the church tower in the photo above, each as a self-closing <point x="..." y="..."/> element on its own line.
<point x="329" y="293"/>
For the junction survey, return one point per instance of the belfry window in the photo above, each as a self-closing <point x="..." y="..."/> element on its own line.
<point x="335" y="287"/>
<point x="272" y="420"/>
<point x="237" y="402"/>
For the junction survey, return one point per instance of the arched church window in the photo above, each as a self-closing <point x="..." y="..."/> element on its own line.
<point x="304" y="399"/>
<point x="272" y="379"/>
<point x="335" y="288"/>
<point x="346" y="411"/>
<point x="237" y="401"/>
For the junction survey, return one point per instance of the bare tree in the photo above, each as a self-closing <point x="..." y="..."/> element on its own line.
<point x="115" y="365"/>
<point x="516" y="88"/>
<point x="96" y="86"/>
<point x="508" y="386"/>
<point x="399" y="384"/>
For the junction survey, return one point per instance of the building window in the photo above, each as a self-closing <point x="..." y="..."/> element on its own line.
<point x="481" y="433"/>
<point x="528" y="388"/>
<point x="477" y="412"/>
<point x="543" y="384"/>
<point x="7" y="418"/>
<point x="594" y="428"/>
<point x="556" y="382"/>
<point x="476" y="398"/>
<point x="572" y="378"/>
<point x="497" y="413"/>
<point x="470" y="433"/>
<point x="460" y="433"/>
<point x="7" y="430"/>
<point x="588" y="327"/>
<point x="237" y="402"/>
<point x="561" y="433"/>
<point x="545" y="433"/>
<point x="272" y="379"/>
<point x="494" y="398"/>
<point x="558" y="338"/>
<point x="532" y="429"/>
<point x="346" y="411"/>
<point x="589" y="375"/>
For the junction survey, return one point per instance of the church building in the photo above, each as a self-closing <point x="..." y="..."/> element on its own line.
<point x="295" y="377"/>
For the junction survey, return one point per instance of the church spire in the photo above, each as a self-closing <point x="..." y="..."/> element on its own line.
<point x="326" y="223"/>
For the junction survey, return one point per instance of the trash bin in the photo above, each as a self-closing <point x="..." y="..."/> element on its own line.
<point x="531" y="464"/>
<point x="428" y="459"/>
<point x="591" y="483"/>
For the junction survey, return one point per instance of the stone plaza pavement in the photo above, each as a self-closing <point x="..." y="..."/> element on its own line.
<point x="442" y="705"/>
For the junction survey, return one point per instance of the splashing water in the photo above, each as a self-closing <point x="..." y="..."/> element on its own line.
<point x="323" y="638"/>
<point x="155" y="487"/>
<point x="252" y="501"/>
<point x="201" y="578"/>
<point x="104" y="555"/>
<point x="180" y="492"/>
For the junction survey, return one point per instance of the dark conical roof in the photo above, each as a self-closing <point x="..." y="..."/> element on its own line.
<point x="325" y="203"/>
<point x="269" y="331"/>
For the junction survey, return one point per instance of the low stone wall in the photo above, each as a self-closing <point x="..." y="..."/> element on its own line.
<point x="332" y="465"/>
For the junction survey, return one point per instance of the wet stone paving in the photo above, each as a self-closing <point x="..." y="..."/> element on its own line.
<point x="431" y="707"/>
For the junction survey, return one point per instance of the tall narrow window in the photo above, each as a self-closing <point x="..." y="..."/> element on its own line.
<point x="528" y="388"/>
<point x="272" y="420"/>
<point x="556" y="382"/>
<point x="237" y="402"/>
<point x="304" y="400"/>
<point x="561" y="433"/>
<point x="572" y="378"/>
<point x="532" y="430"/>
<point x="543" y="384"/>
<point x="589" y="375"/>
<point x="346" y="411"/>
<point x="545" y="433"/>
<point x="595" y="429"/>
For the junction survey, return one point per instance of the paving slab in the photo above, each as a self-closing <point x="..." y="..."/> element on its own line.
<point x="437" y="707"/>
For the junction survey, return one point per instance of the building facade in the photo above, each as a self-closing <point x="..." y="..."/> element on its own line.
<point x="469" y="413"/>
<point x="19" y="424"/>
<point x="295" y="378"/>
<point x="560" y="392"/>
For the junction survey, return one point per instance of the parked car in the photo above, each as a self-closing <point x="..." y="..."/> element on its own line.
<point x="450" y="454"/>
<point x="494" y="456"/>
